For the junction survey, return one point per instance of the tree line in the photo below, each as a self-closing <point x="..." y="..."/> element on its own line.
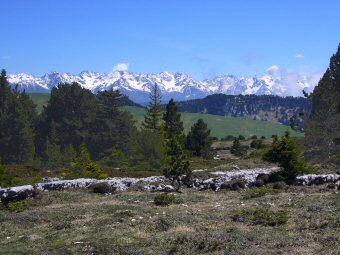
<point x="76" y="124"/>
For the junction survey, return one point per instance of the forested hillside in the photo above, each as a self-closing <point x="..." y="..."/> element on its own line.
<point x="264" y="107"/>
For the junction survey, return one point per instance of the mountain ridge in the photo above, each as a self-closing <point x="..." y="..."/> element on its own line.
<point x="179" y="85"/>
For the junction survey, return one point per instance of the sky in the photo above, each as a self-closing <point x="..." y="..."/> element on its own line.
<point x="201" y="38"/>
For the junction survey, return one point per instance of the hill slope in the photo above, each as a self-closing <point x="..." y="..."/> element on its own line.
<point x="222" y="126"/>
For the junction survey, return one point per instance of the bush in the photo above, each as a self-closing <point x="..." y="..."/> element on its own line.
<point x="237" y="149"/>
<point x="257" y="144"/>
<point x="83" y="166"/>
<point x="261" y="216"/>
<point x="279" y="185"/>
<point x="20" y="206"/>
<point x="259" y="192"/>
<point x="6" y="178"/>
<point x="285" y="153"/>
<point x="164" y="199"/>
<point x="241" y="137"/>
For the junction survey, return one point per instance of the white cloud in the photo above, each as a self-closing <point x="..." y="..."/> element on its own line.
<point x="299" y="56"/>
<point x="273" y="69"/>
<point x="121" y="67"/>
<point x="294" y="81"/>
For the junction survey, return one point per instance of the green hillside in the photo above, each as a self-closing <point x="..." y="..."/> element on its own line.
<point x="40" y="99"/>
<point x="222" y="126"/>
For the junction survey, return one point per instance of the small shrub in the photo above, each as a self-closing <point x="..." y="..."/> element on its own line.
<point x="124" y="213"/>
<point x="262" y="216"/>
<point x="164" y="199"/>
<point x="237" y="149"/>
<point x="101" y="188"/>
<point x="20" y="206"/>
<point x="279" y="185"/>
<point x="241" y="137"/>
<point x="257" y="144"/>
<point x="259" y="192"/>
<point x="6" y="178"/>
<point x="163" y="224"/>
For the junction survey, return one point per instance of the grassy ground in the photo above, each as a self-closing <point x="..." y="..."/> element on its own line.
<point x="40" y="99"/>
<point x="297" y="220"/>
<point x="222" y="126"/>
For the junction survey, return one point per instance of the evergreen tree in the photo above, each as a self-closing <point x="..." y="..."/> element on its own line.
<point x="17" y="122"/>
<point x="237" y="149"/>
<point x="198" y="139"/>
<point x="172" y="120"/>
<point x="53" y="150"/>
<point x="73" y="110"/>
<point x="323" y="127"/>
<point x="153" y="116"/>
<point x="83" y="166"/>
<point x="177" y="164"/>
<point x="286" y="154"/>
<point x="113" y="129"/>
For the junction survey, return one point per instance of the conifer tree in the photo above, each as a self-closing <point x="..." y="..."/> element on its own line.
<point x="17" y="121"/>
<point x="172" y="120"/>
<point x="323" y="128"/>
<point x="177" y="163"/>
<point x="286" y="154"/>
<point x="237" y="149"/>
<point x="153" y="116"/>
<point x="199" y="140"/>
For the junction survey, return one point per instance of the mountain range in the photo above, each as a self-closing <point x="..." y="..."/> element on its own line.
<point x="179" y="86"/>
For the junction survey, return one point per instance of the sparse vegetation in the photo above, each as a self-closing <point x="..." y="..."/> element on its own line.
<point x="164" y="199"/>
<point x="261" y="216"/>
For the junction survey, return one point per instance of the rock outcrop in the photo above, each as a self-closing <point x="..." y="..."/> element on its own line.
<point x="314" y="179"/>
<point x="233" y="180"/>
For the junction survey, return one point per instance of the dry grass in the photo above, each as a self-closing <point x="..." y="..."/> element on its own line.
<point x="79" y="222"/>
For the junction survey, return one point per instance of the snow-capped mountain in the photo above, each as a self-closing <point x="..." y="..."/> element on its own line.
<point x="179" y="86"/>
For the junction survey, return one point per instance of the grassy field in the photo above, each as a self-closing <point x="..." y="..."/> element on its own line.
<point x="222" y="126"/>
<point x="40" y="99"/>
<point x="293" y="220"/>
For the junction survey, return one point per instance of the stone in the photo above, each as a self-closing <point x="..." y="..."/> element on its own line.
<point x="17" y="193"/>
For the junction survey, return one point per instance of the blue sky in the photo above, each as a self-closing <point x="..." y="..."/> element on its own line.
<point x="202" y="38"/>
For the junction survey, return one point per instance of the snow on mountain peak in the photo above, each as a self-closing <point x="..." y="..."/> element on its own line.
<point x="179" y="85"/>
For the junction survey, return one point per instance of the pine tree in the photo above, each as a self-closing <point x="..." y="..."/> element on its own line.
<point x="53" y="149"/>
<point x="237" y="149"/>
<point x="286" y="154"/>
<point x="153" y="116"/>
<point x="172" y="120"/>
<point x="323" y="127"/>
<point x="177" y="164"/>
<point x="17" y="122"/>
<point x="199" y="140"/>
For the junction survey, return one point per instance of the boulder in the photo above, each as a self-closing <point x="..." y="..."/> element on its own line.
<point x="17" y="193"/>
